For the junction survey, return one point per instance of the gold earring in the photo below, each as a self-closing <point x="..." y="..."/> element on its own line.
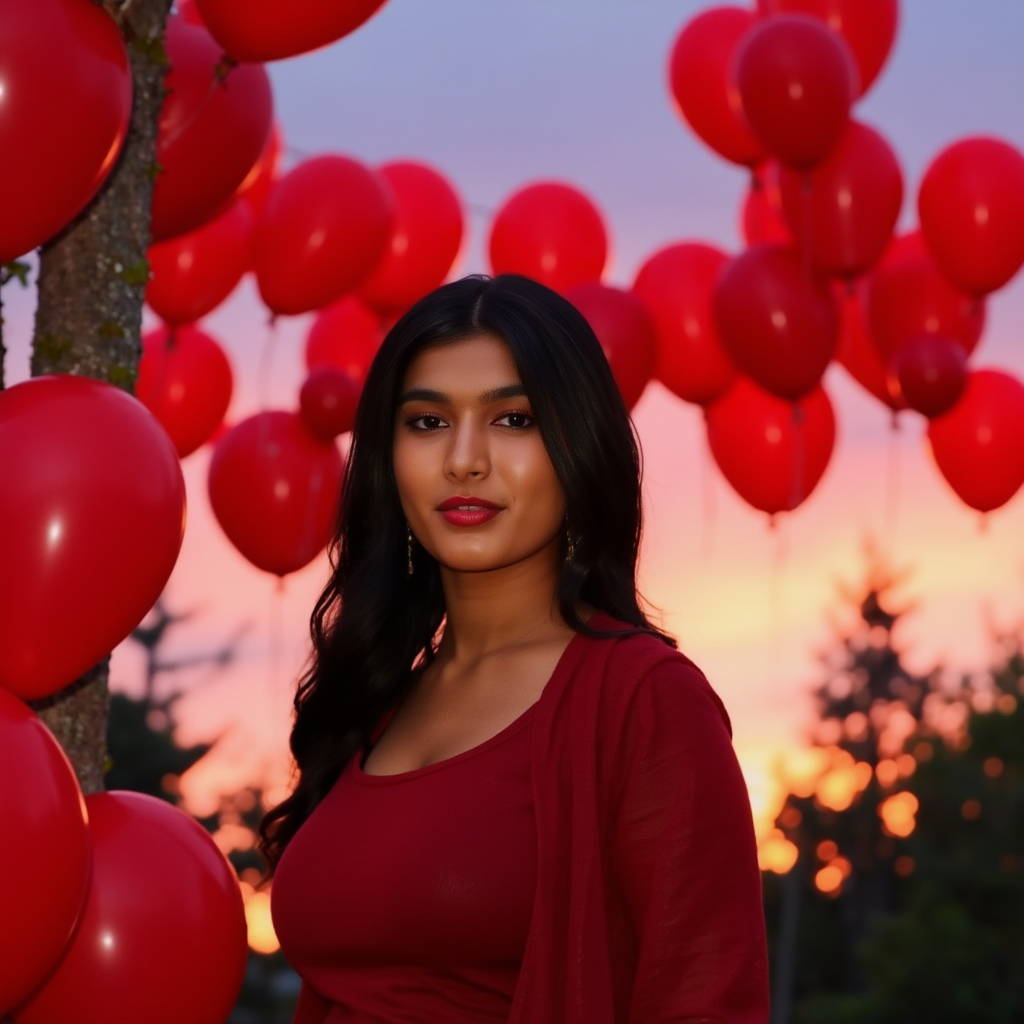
<point x="408" y="530"/>
<point x="570" y="552"/>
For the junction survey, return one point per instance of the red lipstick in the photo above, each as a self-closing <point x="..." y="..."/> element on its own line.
<point x="468" y="511"/>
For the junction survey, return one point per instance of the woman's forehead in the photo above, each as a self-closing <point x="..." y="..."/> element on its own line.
<point x="479" y="362"/>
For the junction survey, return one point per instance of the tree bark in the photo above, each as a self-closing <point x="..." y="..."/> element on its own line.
<point x="92" y="280"/>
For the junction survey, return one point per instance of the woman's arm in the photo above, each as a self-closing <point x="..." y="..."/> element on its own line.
<point x="311" y="1008"/>
<point x="684" y="859"/>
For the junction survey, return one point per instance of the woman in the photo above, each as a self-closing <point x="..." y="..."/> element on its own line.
<point x="515" y="801"/>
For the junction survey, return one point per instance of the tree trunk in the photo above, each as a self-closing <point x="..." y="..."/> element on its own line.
<point x="92" y="280"/>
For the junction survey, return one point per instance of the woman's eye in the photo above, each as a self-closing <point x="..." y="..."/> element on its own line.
<point x="428" y="422"/>
<point x="516" y="420"/>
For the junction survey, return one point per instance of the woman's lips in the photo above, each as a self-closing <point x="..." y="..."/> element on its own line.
<point x="469" y="516"/>
<point x="468" y="511"/>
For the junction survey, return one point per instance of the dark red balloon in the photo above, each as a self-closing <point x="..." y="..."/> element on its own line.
<point x="930" y="372"/>
<point x="844" y="211"/>
<point x="213" y="127"/>
<point x="971" y="207"/>
<point x="761" y="218"/>
<point x="324" y="228"/>
<point x="162" y="937"/>
<point x="328" y="401"/>
<point x="858" y="354"/>
<point x="425" y="238"/>
<point x="779" y="325"/>
<point x="796" y="81"/>
<point x="772" y="452"/>
<point x="44" y="864"/>
<point x="262" y="30"/>
<point x="699" y="79"/>
<point x="93" y="512"/>
<point x="677" y="286"/>
<point x="274" y="488"/>
<point x="256" y="187"/>
<point x="345" y="335"/>
<point x="552" y="233"/>
<point x="66" y="98"/>
<point x="626" y="333"/>
<point x="979" y="444"/>
<point x="191" y="275"/>
<point x="185" y="381"/>
<point x="868" y="26"/>
<point x="907" y="296"/>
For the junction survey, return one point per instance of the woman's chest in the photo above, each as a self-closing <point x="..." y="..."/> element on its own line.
<point x="435" y="867"/>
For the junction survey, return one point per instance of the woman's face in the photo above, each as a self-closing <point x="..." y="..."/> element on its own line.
<point x="475" y="480"/>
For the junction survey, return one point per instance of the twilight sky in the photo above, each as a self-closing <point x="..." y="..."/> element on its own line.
<point x="496" y="95"/>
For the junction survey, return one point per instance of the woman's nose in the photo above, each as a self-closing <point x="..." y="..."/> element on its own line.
<point x="467" y="455"/>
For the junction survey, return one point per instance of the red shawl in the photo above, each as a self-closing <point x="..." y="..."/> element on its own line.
<point x="648" y="899"/>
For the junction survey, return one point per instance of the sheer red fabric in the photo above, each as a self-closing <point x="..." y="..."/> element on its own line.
<point x="647" y="907"/>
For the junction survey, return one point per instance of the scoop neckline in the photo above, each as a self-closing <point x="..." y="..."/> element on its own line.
<point x="369" y="779"/>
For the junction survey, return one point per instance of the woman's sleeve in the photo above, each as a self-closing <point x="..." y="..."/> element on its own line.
<point x="311" y="1007"/>
<point x="684" y="860"/>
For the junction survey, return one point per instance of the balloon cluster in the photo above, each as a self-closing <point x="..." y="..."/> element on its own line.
<point x="822" y="277"/>
<point x="94" y="511"/>
<point x="93" y="505"/>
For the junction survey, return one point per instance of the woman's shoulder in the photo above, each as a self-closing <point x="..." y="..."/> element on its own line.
<point x="640" y="668"/>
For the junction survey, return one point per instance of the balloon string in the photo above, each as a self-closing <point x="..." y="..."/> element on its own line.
<point x="709" y="511"/>
<point x="892" y="487"/>
<point x="266" y="364"/>
<point x="780" y="555"/>
<point x="275" y="636"/>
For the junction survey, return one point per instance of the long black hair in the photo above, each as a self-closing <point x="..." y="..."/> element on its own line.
<point x="373" y="620"/>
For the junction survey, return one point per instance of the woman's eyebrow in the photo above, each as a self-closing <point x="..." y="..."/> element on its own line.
<point x="494" y="395"/>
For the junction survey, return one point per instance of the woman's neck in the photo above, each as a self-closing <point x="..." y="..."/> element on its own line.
<point x="489" y="611"/>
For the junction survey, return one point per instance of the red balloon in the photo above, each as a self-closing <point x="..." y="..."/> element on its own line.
<point x="796" y="80"/>
<point x="162" y="938"/>
<point x="213" y="127"/>
<point x="552" y="233"/>
<point x="425" y="238"/>
<point x="191" y="275"/>
<point x="188" y="12"/>
<point x="858" y="354"/>
<point x="345" y="335"/>
<point x="328" y="401"/>
<point x="930" y="372"/>
<point x="979" y="444"/>
<point x="274" y="489"/>
<point x="325" y="226"/>
<point x="761" y="219"/>
<point x="185" y="382"/>
<point x="971" y="207"/>
<point x="907" y="296"/>
<point x="699" y="78"/>
<point x="844" y="211"/>
<point x="46" y="855"/>
<point x="626" y="333"/>
<point x="67" y="96"/>
<point x="261" y="30"/>
<point x="676" y="285"/>
<point x="868" y="26"/>
<point x="772" y="452"/>
<point x="779" y="325"/>
<point x="93" y="507"/>
<point x="256" y="187"/>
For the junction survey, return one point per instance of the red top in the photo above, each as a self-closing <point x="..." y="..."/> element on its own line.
<point x="646" y="905"/>
<point x="427" y="918"/>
